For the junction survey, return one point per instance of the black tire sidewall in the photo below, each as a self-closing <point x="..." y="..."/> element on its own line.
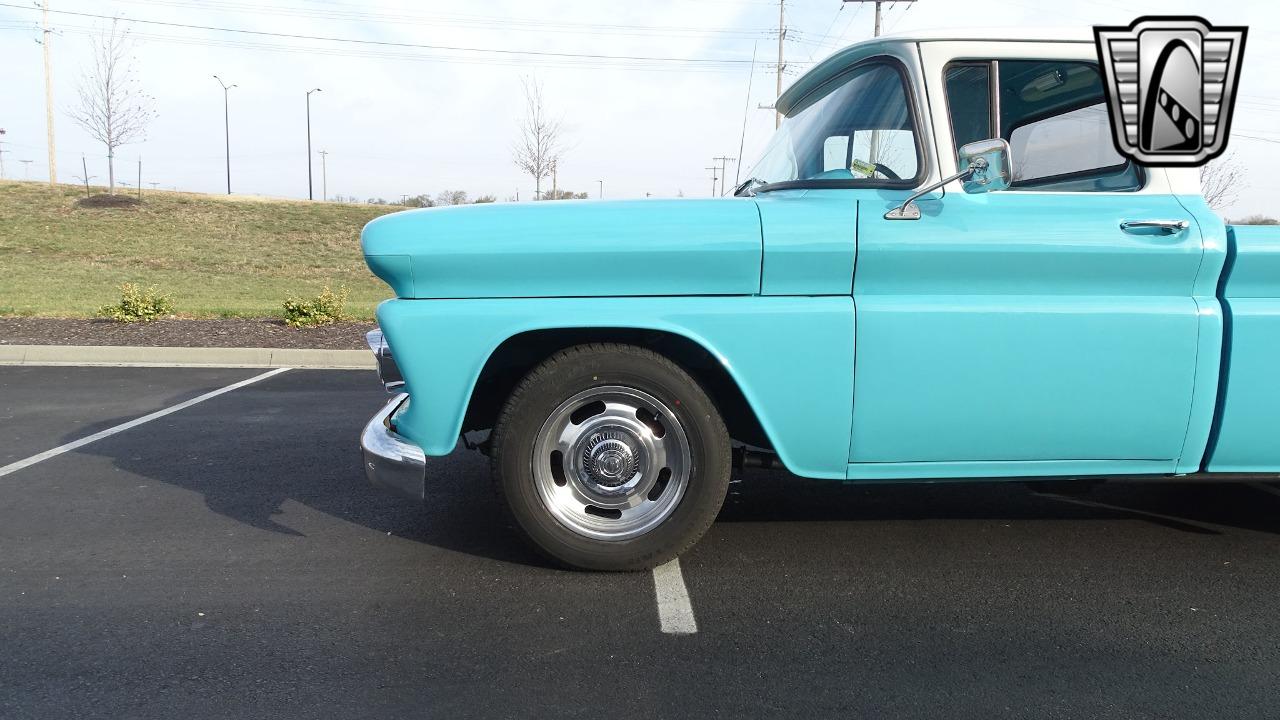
<point x="582" y="368"/>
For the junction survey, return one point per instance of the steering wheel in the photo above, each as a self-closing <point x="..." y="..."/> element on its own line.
<point x="884" y="170"/>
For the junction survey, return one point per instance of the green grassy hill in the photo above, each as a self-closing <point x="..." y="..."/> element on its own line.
<point x="216" y="256"/>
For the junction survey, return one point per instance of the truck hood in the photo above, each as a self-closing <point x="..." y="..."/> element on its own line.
<point x="569" y="248"/>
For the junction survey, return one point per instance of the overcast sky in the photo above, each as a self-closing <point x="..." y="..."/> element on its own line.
<point x="398" y="119"/>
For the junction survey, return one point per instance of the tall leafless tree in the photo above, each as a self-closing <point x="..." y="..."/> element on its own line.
<point x="1221" y="181"/>
<point x="112" y="107"/>
<point x="539" y="148"/>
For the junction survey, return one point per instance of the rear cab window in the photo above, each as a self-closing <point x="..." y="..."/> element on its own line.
<point x="1052" y="113"/>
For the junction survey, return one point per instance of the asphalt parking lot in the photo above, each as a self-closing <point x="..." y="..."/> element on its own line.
<point x="229" y="559"/>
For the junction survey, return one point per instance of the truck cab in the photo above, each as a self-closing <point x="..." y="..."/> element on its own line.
<point x="940" y="269"/>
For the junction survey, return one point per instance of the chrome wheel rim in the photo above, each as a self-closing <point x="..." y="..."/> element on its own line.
<point x="611" y="463"/>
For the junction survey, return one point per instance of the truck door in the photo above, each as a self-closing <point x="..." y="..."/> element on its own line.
<point x="1035" y="331"/>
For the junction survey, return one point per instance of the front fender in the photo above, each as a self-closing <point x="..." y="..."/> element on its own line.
<point x="792" y="358"/>
<point x="592" y="248"/>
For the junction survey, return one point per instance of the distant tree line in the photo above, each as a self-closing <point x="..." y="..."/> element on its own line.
<point x="1256" y="220"/>
<point x="444" y="198"/>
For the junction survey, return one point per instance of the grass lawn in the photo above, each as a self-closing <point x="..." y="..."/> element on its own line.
<point x="216" y="256"/>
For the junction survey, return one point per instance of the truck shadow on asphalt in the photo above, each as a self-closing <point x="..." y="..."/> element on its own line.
<point x="1196" y="508"/>
<point x="250" y="452"/>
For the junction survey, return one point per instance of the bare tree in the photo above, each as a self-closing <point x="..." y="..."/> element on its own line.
<point x="451" y="197"/>
<point x="112" y="107"/>
<point x="538" y="150"/>
<point x="1221" y="180"/>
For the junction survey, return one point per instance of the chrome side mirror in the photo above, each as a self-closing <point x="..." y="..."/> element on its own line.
<point x="990" y="163"/>
<point x="988" y="167"/>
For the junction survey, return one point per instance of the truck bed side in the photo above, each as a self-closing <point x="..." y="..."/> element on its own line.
<point x="1247" y="428"/>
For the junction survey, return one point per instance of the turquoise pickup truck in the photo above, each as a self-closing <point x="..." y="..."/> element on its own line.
<point x="940" y="268"/>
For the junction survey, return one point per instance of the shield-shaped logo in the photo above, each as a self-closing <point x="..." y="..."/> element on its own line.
<point x="1171" y="85"/>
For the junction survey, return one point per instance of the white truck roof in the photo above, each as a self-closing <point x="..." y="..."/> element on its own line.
<point x="995" y="34"/>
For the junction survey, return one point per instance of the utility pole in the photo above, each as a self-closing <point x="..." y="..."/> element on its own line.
<point x="601" y="193"/>
<point x="878" y="4"/>
<point x="782" y="36"/>
<point x="48" y="95"/>
<point x="742" y="139"/>
<point x="310" y="195"/>
<point x="226" y="125"/>
<point x="873" y="152"/>
<point x="713" y="169"/>
<point x="723" y="168"/>
<point x="153" y="185"/>
<point x="26" y="169"/>
<point x="324" y="175"/>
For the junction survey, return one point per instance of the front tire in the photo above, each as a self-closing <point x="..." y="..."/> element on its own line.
<point x="611" y="457"/>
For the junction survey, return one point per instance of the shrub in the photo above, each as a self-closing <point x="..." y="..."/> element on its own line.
<point x="1256" y="220"/>
<point x="138" y="305"/>
<point x="323" y="309"/>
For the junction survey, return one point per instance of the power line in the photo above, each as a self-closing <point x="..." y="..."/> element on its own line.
<point x="388" y="43"/>
<point x="504" y="23"/>
<point x="188" y="40"/>
<point x="845" y="31"/>
<point x="834" y="18"/>
<point x="904" y="14"/>
<point x="1255" y="137"/>
<point x="879" y="16"/>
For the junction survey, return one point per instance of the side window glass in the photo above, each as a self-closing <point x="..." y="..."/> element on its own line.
<point x="887" y="148"/>
<point x="1054" y="116"/>
<point x="835" y="153"/>
<point x="1070" y="144"/>
<point x="969" y="99"/>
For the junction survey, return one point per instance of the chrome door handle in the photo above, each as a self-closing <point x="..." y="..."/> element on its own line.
<point x="1154" y="227"/>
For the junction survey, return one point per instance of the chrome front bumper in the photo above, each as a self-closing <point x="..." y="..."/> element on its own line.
<point x="391" y="461"/>
<point x="388" y="371"/>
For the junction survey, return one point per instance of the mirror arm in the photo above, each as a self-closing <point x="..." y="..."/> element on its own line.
<point x="908" y="210"/>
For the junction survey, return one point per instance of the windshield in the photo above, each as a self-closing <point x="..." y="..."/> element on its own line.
<point x="858" y="128"/>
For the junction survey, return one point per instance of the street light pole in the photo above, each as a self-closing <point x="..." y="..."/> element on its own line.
<point x="226" y="125"/>
<point x="310" y="191"/>
<point x="601" y="194"/>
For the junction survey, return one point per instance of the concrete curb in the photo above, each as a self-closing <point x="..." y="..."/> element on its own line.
<point x="185" y="357"/>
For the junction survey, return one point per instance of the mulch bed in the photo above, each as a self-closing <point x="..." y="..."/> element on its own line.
<point x="266" y="333"/>
<point x="104" y="200"/>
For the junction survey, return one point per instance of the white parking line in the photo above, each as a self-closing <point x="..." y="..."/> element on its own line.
<point x="28" y="462"/>
<point x="675" y="613"/>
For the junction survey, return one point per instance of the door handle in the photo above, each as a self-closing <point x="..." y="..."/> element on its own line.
<point x="1154" y="227"/>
